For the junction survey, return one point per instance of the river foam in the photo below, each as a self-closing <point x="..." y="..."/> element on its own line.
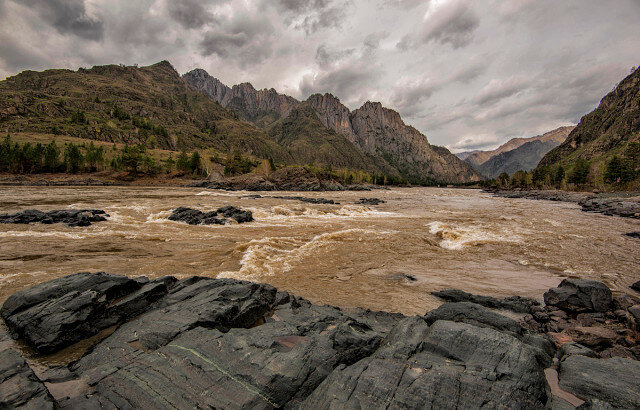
<point x="458" y="236"/>
<point x="273" y="255"/>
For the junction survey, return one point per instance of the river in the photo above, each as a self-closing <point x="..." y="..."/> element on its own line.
<point x="384" y="257"/>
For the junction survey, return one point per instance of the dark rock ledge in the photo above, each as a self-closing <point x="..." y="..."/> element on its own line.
<point x="221" y="216"/>
<point x="222" y="343"/>
<point x="613" y="204"/>
<point x="71" y="217"/>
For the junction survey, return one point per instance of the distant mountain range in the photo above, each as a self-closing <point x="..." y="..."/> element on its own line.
<point x="516" y="154"/>
<point x="156" y="106"/>
<point x="612" y="129"/>
<point x="383" y="140"/>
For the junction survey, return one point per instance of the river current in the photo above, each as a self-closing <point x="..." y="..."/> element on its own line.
<point x="385" y="257"/>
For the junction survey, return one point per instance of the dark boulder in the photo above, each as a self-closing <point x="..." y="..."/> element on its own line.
<point x="72" y="217"/>
<point x="611" y="382"/>
<point x="445" y="365"/>
<point x="474" y="314"/>
<point x="575" y="348"/>
<point x="221" y="216"/>
<point x="19" y="386"/>
<point x="636" y="286"/>
<point x="514" y="303"/>
<point x="58" y="313"/>
<point x="304" y="199"/>
<point x="580" y="295"/>
<point x="204" y="345"/>
<point x="369" y="201"/>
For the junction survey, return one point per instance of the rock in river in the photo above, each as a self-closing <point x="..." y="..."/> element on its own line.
<point x="221" y="216"/>
<point x="71" y="217"/>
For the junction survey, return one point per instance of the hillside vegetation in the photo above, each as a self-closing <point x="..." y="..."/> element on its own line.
<point x="604" y="149"/>
<point x="149" y="105"/>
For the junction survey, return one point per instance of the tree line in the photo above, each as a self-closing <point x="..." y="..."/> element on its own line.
<point x="619" y="171"/>
<point x="29" y="158"/>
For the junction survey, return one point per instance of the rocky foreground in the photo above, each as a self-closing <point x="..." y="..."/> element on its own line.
<point x="203" y="342"/>
<point x="617" y="204"/>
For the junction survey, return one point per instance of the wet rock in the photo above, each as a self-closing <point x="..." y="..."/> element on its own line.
<point x="575" y="295"/>
<point x="515" y="303"/>
<point x="421" y="366"/>
<point x="575" y="348"/>
<point x="625" y="207"/>
<point x="369" y="201"/>
<point x="609" y="381"/>
<point x="617" y="351"/>
<point x="72" y="217"/>
<point x="19" y="386"/>
<point x="634" y="312"/>
<point x="307" y="200"/>
<point x="474" y="314"/>
<point x="213" y="363"/>
<point x="58" y="313"/>
<point x="221" y="216"/>
<point x="593" y="336"/>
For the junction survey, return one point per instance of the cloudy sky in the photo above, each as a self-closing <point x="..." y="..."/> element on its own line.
<point x="468" y="73"/>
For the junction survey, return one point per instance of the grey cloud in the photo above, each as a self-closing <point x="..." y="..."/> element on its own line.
<point x="452" y="23"/>
<point x="372" y="41"/>
<point x="498" y="89"/>
<point x="190" y="13"/>
<point x="326" y="57"/>
<point x="68" y="17"/>
<point x="408" y="95"/>
<point x="312" y="15"/>
<point x="405" y="4"/>
<point x="346" y="82"/>
<point x="245" y="37"/>
<point x="15" y="57"/>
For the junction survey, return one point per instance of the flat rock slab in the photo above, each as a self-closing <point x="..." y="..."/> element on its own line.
<point x="71" y="217"/>
<point x="611" y="383"/>
<point x="517" y="304"/>
<point x="19" y="386"/>
<point x="221" y="216"/>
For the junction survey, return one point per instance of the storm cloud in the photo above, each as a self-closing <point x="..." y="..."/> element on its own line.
<point x="469" y="74"/>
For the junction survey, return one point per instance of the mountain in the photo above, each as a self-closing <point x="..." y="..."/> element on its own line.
<point x="612" y="129"/>
<point x="309" y="142"/>
<point x="477" y="158"/>
<point x="525" y="157"/>
<point x="377" y="132"/>
<point x="262" y="107"/>
<point x="128" y="104"/>
<point x="466" y="154"/>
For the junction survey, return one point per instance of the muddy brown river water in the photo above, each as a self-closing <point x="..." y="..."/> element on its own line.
<point x="384" y="257"/>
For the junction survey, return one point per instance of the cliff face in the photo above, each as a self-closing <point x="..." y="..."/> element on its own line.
<point x="378" y="132"/>
<point x="262" y="107"/>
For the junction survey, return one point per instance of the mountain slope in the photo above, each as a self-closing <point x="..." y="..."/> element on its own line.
<point x="611" y="129"/>
<point x="525" y="157"/>
<point x="127" y="104"/>
<point x="477" y="158"/>
<point x="311" y="143"/>
<point x="377" y="132"/>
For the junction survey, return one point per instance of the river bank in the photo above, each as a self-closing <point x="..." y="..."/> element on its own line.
<point x="624" y="204"/>
<point x="102" y="340"/>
